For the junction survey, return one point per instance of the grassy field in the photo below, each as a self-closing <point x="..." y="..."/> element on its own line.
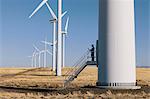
<point x="30" y="83"/>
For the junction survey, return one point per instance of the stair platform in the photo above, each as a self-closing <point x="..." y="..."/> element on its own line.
<point x="91" y="63"/>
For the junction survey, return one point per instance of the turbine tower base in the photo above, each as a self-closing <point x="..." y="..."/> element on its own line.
<point x="117" y="86"/>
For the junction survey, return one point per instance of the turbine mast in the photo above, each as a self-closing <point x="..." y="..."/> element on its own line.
<point x="54" y="46"/>
<point x="59" y="60"/>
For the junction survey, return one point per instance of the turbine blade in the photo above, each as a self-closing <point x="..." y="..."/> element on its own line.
<point x="49" y="52"/>
<point x="33" y="53"/>
<point x="51" y="11"/>
<point x="56" y="42"/>
<point x="41" y="52"/>
<point x="49" y="43"/>
<point x="66" y="26"/>
<point x="40" y="5"/>
<point x="36" y="48"/>
<point x="63" y="14"/>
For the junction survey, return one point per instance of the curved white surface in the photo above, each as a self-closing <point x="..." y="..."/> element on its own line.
<point x="116" y="58"/>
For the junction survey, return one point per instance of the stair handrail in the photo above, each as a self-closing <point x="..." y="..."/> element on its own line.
<point x="77" y="67"/>
<point x="73" y="70"/>
<point x="75" y="73"/>
<point x="83" y="64"/>
<point x="83" y="57"/>
<point x="77" y="64"/>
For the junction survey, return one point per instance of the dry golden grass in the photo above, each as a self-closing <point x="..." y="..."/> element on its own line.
<point x="143" y="76"/>
<point x="45" y="78"/>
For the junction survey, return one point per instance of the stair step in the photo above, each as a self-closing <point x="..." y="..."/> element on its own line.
<point x="83" y="63"/>
<point x="75" y="74"/>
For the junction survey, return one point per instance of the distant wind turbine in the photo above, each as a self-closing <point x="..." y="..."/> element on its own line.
<point x="39" y="54"/>
<point x="54" y="21"/>
<point x="59" y="36"/>
<point x="35" y="61"/>
<point x="46" y="51"/>
<point x="64" y="33"/>
<point x="32" y="59"/>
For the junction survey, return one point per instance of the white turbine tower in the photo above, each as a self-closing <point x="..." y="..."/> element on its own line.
<point x="35" y="59"/>
<point x="64" y="33"/>
<point x="45" y="56"/>
<point x="116" y="45"/>
<point x="33" y="56"/>
<point x="34" y="62"/>
<point x="59" y="52"/>
<point x="36" y="52"/>
<point x="54" y="45"/>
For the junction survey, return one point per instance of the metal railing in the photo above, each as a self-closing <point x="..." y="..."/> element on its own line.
<point x="78" y="63"/>
<point x="77" y="67"/>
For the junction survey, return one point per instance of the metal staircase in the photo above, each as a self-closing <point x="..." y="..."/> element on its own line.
<point x="78" y="67"/>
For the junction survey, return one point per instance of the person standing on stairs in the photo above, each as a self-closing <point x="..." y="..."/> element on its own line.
<point x="92" y="52"/>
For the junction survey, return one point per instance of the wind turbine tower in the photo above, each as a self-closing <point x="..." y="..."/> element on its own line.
<point x="54" y="44"/>
<point x="59" y="51"/>
<point x="64" y="35"/>
<point x="116" y="44"/>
